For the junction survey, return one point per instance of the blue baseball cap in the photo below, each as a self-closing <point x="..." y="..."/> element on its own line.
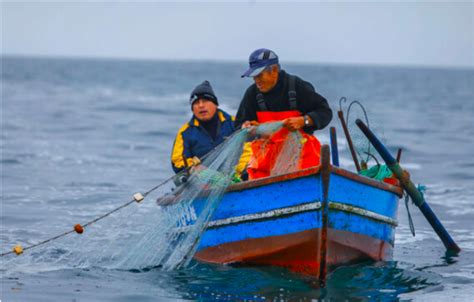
<point x="258" y="60"/>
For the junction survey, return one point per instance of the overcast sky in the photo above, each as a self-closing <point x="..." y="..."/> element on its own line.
<point x="416" y="33"/>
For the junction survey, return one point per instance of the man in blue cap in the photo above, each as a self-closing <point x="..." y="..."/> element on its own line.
<point x="279" y="96"/>
<point x="208" y="127"/>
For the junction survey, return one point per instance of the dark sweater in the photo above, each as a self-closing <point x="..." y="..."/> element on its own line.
<point x="308" y="101"/>
<point x="211" y="126"/>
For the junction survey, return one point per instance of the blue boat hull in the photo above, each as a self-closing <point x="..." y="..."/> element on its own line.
<point x="278" y="221"/>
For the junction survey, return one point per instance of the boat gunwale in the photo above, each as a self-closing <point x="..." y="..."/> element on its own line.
<point x="314" y="171"/>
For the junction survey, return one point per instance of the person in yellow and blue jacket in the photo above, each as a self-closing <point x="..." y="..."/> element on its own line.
<point x="208" y="127"/>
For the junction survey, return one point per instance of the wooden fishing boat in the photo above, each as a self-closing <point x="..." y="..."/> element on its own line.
<point x="309" y="221"/>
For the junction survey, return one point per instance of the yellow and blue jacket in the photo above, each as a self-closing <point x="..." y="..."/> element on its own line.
<point x="193" y="140"/>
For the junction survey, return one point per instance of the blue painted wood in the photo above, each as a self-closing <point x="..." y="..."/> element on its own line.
<point x="284" y="225"/>
<point x="270" y="197"/>
<point x="296" y="223"/>
<point x="296" y="192"/>
<point x="356" y="224"/>
<point x="347" y="191"/>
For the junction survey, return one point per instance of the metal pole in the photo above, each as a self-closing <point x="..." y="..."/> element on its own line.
<point x="334" y="149"/>
<point x="349" y="140"/>
<point x="399" y="155"/>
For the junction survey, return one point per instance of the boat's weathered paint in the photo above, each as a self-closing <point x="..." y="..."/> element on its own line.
<point x="277" y="221"/>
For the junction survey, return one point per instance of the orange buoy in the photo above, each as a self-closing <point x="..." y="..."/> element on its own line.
<point x="18" y="249"/>
<point x="78" y="228"/>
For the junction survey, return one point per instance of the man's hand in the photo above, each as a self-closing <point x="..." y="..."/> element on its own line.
<point x="196" y="165"/>
<point x="195" y="169"/>
<point x="248" y="124"/>
<point x="293" y="123"/>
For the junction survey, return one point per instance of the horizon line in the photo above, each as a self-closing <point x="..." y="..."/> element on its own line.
<point x="232" y="61"/>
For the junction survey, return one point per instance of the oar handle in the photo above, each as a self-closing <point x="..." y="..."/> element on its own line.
<point x="410" y="188"/>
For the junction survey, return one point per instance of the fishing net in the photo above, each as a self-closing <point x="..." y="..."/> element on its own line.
<point x="146" y="235"/>
<point x="175" y="235"/>
<point x="362" y="146"/>
<point x="276" y="150"/>
<point x="288" y="159"/>
<point x="378" y="172"/>
<point x="183" y="222"/>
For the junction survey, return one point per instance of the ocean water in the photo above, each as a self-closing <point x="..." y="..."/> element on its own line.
<point x="79" y="137"/>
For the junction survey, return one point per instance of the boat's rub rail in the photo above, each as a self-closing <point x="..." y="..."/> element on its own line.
<point x="266" y="215"/>
<point x="362" y="212"/>
<point x="313" y="171"/>
<point x="312" y="206"/>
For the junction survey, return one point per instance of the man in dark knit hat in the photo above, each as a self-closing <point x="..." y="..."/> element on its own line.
<point x="208" y="127"/>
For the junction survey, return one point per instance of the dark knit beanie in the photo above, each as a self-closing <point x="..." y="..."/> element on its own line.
<point x="203" y="91"/>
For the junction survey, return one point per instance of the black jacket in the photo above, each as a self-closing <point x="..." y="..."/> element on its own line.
<point x="308" y="101"/>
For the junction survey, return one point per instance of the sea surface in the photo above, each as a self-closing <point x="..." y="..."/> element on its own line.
<point x="80" y="136"/>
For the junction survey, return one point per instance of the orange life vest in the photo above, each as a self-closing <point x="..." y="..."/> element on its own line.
<point x="266" y="152"/>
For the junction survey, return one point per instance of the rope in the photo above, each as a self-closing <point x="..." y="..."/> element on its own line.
<point x="422" y="189"/>
<point x="92" y="221"/>
<point x="410" y="220"/>
<point x="366" y="120"/>
<point x="373" y="156"/>
<point x="378" y="172"/>
<point x="138" y="197"/>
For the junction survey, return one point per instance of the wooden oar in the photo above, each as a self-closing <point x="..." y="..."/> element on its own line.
<point x="410" y="188"/>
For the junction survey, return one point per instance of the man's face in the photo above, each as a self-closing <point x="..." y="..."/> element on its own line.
<point x="267" y="79"/>
<point x="204" y="109"/>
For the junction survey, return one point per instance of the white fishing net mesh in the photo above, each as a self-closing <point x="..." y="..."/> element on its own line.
<point x="146" y="235"/>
